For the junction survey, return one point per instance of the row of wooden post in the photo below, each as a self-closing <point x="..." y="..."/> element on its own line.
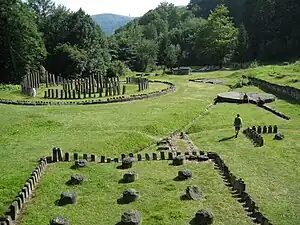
<point x="143" y="83"/>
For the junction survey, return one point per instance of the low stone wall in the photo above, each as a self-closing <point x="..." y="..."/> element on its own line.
<point x="171" y="88"/>
<point x="15" y="209"/>
<point x="280" y="90"/>
<point x="59" y="156"/>
<point x="238" y="185"/>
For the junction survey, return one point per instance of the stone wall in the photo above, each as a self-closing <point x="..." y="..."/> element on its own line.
<point x="280" y="90"/>
<point x="171" y="88"/>
<point x="15" y="209"/>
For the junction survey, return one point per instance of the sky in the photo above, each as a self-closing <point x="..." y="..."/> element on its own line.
<point x="133" y="8"/>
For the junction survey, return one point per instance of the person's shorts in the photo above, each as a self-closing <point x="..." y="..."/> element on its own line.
<point x="237" y="128"/>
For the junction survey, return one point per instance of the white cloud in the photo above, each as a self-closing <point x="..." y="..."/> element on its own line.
<point x="122" y="7"/>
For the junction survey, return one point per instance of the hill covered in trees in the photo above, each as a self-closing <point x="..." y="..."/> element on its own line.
<point x="110" y="22"/>
<point x="38" y="32"/>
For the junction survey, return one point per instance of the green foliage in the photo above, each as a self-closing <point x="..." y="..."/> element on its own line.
<point x="241" y="50"/>
<point x="116" y="69"/>
<point x="68" y="61"/>
<point x="22" y="47"/>
<point x="218" y="37"/>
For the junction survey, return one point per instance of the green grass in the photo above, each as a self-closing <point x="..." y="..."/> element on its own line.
<point x="159" y="202"/>
<point x="13" y="92"/>
<point x="271" y="172"/>
<point x="284" y="75"/>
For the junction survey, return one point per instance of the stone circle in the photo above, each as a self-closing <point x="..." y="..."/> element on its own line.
<point x="184" y="174"/>
<point x="179" y="160"/>
<point x="237" y="97"/>
<point x="77" y="179"/>
<point x="130" y="195"/>
<point x="81" y="163"/>
<point x="59" y="220"/>
<point x="131" y="217"/>
<point x="204" y="217"/>
<point x="130" y="176"/>
<point x="68" y="197"/>
<point x="127" y="162"/>
<point x="193" y="193"/>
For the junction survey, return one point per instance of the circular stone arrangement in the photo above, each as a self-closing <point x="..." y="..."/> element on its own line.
<point x="208" y="80"/>
<point x="171" y="88"/>
<point x="238" y="97"/>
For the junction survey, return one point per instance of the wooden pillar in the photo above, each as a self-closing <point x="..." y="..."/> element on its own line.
<point x="47" y="81"/>
<point x="98" y="80"/>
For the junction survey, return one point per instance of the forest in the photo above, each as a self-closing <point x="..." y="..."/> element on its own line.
<point x="38" y="33"/>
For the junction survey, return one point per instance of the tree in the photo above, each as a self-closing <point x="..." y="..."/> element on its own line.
<point x="43" y="9"/>
<point x="241" y="50"/>
<point x="218" y="36"/>
<point x="172" y="56"/>
<point x="67" y="60"/>
<point x="22" y="48"/>
<point x="147" y="53"/>
<point x="116" y="69"/>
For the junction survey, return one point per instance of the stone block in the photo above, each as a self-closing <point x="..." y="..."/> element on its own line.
<point x="76" y="157"/>
<point x="147" y="156"/>
<point x="162" y="156"/>
<point x="154" y="156"/>
<point x="67" y="157"/>
<point x="85" y="156"/>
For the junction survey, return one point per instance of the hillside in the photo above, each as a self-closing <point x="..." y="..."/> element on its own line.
<point x="110" y="22"/>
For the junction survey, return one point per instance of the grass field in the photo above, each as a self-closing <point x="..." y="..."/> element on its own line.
<point x="271" y="172"/>
<point x="159" y="203"/>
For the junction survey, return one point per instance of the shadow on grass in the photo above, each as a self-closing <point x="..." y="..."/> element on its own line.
<point x="122" y="181"/>
<point x="179" y="179"/>
<point x="73" y="167"/>
<point x="226" y="138"/>
<point x="122" y="201"/>
<point x="120" y="167"/>
<point x="59" y="203"/>
<point x="184" y="198"/>
<point x="69" y="183"/>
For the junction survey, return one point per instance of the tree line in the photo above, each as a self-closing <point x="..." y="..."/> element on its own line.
<point x="205" y="32"/>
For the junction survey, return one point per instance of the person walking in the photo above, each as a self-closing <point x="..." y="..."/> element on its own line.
<point x="237" y="124"/>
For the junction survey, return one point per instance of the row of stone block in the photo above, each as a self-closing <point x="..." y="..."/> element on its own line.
<point x="239" y="186"/>
<point x="255" y="136"/>
<point x="59" y="156"/>
<point x="24" y="195"/>
<point x="266" y="129"/>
